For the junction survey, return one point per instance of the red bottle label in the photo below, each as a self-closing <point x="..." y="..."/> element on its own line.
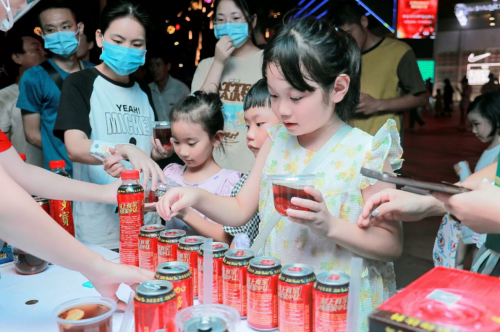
<point x="62" y="213"/>
<point x="130" y="208"/>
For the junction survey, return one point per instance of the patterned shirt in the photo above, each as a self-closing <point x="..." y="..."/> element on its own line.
<point x="251" y="228"/>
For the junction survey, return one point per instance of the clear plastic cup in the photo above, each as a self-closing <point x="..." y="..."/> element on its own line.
<point x="208" y="314"/>
<point x="26" y="263"/>
<point x="162" y="188"/>
<point x="87" y="314"/>
<point x="287" y="186"/>
<point x="163" y="132"/>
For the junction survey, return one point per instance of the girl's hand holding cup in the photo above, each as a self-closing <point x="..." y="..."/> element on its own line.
<point x="162" y="151"/>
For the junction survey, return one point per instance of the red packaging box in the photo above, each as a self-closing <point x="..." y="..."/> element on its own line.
<point x="442" y="300"/>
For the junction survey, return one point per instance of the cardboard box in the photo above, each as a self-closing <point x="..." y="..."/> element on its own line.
<point x="442" y="300"/>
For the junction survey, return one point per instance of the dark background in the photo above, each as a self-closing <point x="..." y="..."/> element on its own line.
<point x="184" y="53"/>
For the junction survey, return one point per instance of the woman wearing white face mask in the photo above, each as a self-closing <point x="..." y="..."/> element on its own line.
<point x="104" y="107"/>
<point x="236" y="66"/>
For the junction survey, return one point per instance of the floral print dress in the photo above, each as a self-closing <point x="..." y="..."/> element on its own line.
<point x="340" y="182"/>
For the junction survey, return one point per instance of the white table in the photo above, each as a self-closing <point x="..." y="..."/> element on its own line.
<point x="51" y="288"/>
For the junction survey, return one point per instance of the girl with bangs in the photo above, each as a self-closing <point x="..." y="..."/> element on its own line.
<point x="313" y="75"/>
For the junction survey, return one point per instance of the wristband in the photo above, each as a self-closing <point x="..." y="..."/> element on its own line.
<point x="100" y="151"/>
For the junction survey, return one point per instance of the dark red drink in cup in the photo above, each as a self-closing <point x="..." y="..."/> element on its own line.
<point x="163" y="132"/>
<point x="285" y="187"/>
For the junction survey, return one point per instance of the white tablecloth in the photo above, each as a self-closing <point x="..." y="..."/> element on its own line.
<point x="51" y="288"/>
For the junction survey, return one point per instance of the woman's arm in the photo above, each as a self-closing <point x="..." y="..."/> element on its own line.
<point x="23" y="224"/>
<point x="223" y="51"/>
<point x="229" y="211"/>
<point x="40" y="182"/>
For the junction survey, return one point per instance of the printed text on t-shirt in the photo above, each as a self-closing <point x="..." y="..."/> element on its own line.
<point x="232" y="91"/>
<point x="130" y="124"/>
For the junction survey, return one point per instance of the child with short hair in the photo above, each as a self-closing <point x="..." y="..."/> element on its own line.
<point x="259" y="118"/>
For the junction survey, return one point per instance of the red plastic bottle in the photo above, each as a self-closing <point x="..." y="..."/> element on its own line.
<point x="61" y="210"/>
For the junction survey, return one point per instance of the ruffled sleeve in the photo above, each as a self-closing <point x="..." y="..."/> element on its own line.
<point x="229" y="183"/>
<point x="174" y="172"/>
<point x="386" y="145"/>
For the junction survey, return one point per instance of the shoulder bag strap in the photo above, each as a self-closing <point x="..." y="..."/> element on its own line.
<point x="54" y="75"/>
<point x="316" y="160"/>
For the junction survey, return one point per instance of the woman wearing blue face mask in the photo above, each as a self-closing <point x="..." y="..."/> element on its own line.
<point x="236" y="66"/>
<point x="103" y="108"/>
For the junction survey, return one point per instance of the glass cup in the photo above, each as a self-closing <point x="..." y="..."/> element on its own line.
<point x="26" y="263"/>
<point x="287" y="186"/>
<point x="163" y="132"/>
<point x="207" y="314"/>
<point x="86" y="314"/>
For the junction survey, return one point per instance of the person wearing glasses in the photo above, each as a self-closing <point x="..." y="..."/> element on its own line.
<point x="236" y="66"/>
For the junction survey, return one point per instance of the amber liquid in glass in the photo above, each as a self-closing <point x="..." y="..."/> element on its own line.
<point x="28" y="264"/>
<point x="163" y="134"/>
<point x="283" y="196"/>
<point x="89" y="311"/>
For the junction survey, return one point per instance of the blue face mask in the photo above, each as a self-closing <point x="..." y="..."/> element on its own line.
<point x="123" y="60"/>
<point x="62" y="43"/>
<point x="237" y="31"/>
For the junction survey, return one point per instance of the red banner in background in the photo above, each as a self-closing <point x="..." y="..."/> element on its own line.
<point x="417" y="19"/>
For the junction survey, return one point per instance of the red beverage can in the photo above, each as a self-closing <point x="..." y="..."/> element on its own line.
<point x="43" y="202"/>
<point x="330" y="302"/>
<point x="180" y="276"/>
<point x="148" y="246"/>
<point x="130" y="208"/>
<point x="167" y="245"/>
<point x="234" y="279"/>
<point x="295" y="298"/>
<point x="187" y="252"/>
<point x="219" y="249"/>
<point x="155" y="306"/>
<point x="205" y="323"/>
<point x="262" y="285"/>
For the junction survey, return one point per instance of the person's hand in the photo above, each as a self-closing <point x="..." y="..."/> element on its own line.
<point x="398" y="205"/>
<point x="479" y="209"/>
<point x="106" y="277"/>
<point x="161" y="151"/>
<point x="368" y="105"/>
<point x="318" y="219"/>
<point x="143" y="163"/>
<point x="177" y="199"/>
<point x="223" y="50"/>
<point x="112" y="165"/>
<point x="458" y="168"/>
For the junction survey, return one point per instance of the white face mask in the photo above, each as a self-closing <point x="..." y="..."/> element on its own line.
<point x="8" y="22"/>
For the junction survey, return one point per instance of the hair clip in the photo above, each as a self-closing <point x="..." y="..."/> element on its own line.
<point x="192" y="95"/>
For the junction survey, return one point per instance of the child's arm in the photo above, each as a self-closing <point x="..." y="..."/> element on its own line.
<point x="229" y="211"/>
<point x="204" y="227"/>
<point x="40" y="182"/>
<point x="382" y="242"/>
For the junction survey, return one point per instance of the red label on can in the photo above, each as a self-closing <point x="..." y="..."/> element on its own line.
<point x="154" y="314"/>
<point x="330" y="311"/>
<point x="191" y="258"/>
<point x="234" y="284"/>
<point x="216" y="280"/>
<point x="184" y="291"/>
<point x="262" y="302"/>
<point x="167" y="252"/>
<point x="295" y="307"/>
<point x="148" y="253"/>
<point x="130" y="208"/>
<point x="62" y="213"/>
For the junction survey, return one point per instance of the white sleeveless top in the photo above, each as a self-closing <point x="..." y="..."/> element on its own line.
<point x="340" y="182"/>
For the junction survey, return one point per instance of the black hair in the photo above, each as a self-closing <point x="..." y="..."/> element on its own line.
<point x="122" y="9"/>
<point x="56" y="4"/>
<point x="159" y="55"/>
<point x="246" y="7"/>
<point x="488" y="106"/>
<point x="15" y="42"/>
<point x="343" y="12"/>
<point x="311" y="49"/>
<point x="257" y="96"/>
<point x="203" y="108"/>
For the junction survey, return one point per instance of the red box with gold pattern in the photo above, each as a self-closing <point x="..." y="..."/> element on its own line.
<point x="442" y="300"/>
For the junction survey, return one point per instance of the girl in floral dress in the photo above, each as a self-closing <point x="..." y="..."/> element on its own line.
<point x="313" y="75"/>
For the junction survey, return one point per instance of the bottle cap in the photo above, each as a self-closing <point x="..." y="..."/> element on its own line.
<point x="23" y="156"/>
<point x="57" y="164"/>
<point x="130" y="175"/>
